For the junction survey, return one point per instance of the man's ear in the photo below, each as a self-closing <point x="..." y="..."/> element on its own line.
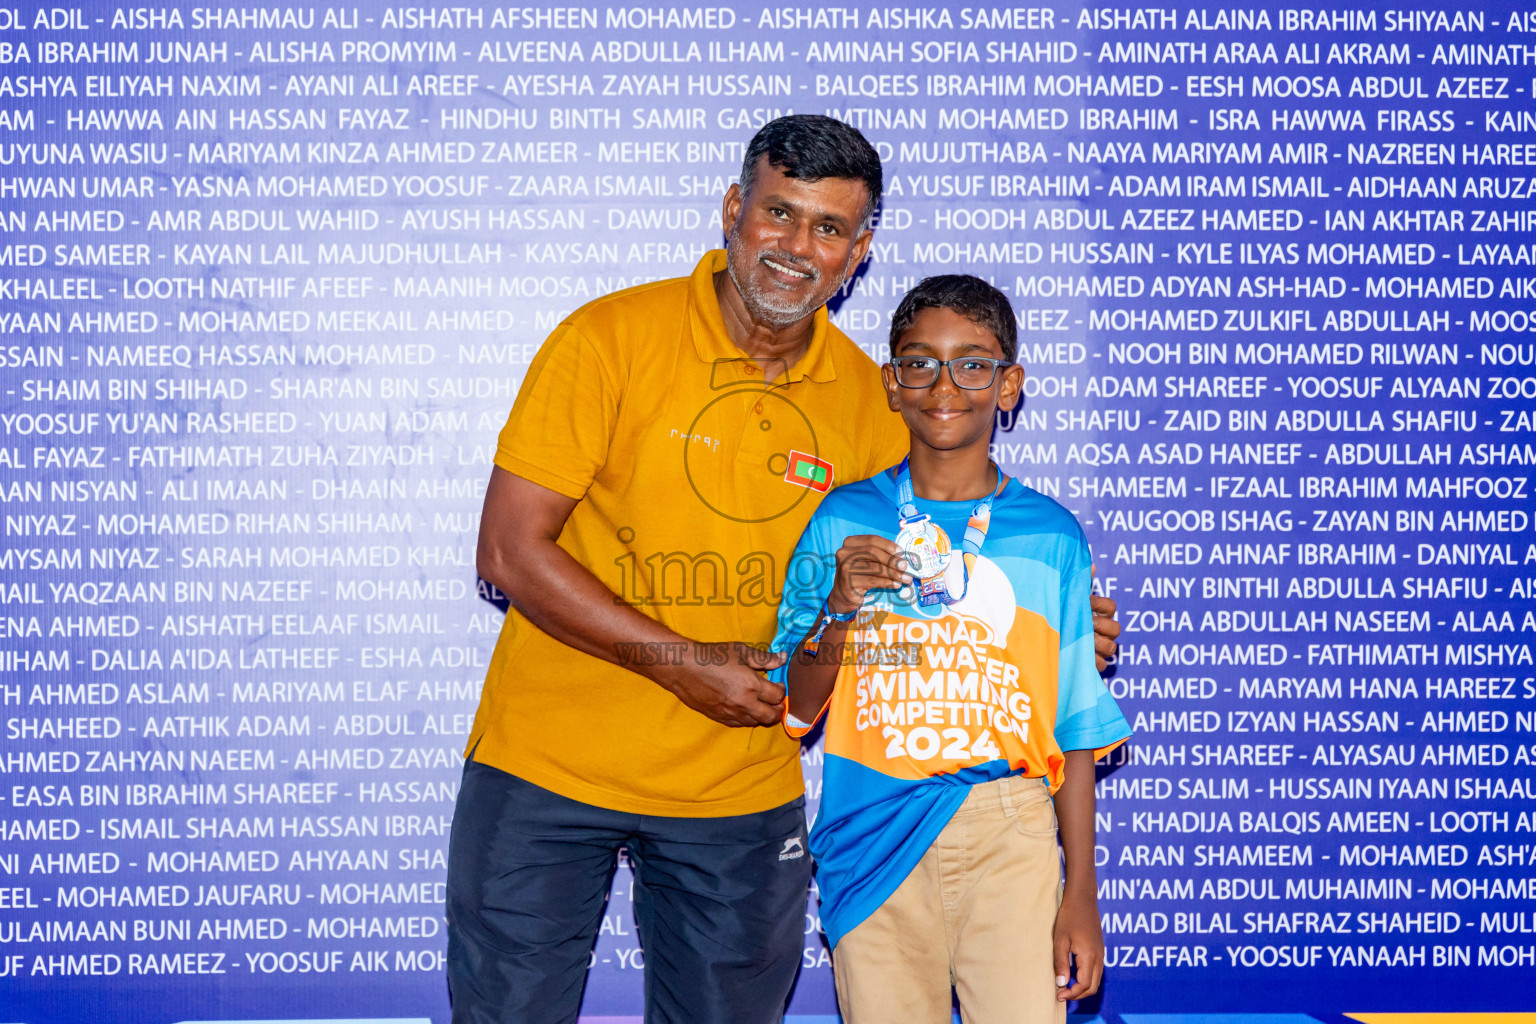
<point x="1013" y="387"/>
<point x="860" y="250"/>
<point x="730" y="209"/>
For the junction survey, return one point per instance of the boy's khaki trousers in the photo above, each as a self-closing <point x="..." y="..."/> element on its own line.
<point x="975" y="913"/>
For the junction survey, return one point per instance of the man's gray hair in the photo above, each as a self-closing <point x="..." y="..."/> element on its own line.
<point x="811" y="147"/>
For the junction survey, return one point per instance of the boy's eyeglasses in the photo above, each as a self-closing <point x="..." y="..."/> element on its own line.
<point x="973" y="373"/>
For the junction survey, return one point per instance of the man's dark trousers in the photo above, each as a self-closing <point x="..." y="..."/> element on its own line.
<point x="719" y="905"/>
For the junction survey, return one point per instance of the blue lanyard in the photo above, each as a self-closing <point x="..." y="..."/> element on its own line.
<point x="981" y="512"/>
<point x="933" y="591"/>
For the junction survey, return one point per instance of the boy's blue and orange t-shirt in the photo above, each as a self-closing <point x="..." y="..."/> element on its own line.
<point x="932" y="700"/>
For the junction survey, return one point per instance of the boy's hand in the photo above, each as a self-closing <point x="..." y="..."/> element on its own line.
<point x="724" y="681"/>
<point x="1077" y="933"/>
<point x="865" y="562"/>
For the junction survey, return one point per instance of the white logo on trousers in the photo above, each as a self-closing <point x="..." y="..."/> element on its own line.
<point x="793" y="849"/>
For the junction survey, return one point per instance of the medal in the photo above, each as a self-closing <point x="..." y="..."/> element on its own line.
<point x="927" y="550"/>
<point x="927" y="547"/>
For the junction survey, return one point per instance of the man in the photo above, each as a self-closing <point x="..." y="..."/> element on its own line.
<point x="666" y="449"/>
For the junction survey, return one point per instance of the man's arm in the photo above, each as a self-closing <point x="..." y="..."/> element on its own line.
<point x="518" y="553"/>
<point x="1077" y="931"/>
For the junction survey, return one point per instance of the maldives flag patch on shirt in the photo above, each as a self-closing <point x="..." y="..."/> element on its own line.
<point x="809" y="471"/>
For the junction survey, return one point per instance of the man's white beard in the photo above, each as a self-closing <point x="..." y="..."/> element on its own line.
<point x="766" y="307"/>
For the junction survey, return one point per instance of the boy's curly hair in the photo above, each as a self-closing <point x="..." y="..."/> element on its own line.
<point x="971" y="297"/>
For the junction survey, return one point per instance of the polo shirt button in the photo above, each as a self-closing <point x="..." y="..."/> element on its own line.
<point x="751" y="367"/>
<point x="758" y="407"/>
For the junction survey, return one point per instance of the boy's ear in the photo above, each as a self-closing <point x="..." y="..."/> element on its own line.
<point x="892" y="389"/>
<point x="1012" y="388"/>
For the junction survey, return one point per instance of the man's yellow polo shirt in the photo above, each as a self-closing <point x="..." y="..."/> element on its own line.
<point x="694" y="481"/>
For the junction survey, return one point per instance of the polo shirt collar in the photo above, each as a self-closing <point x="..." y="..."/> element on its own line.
<point x="713" y="343"/>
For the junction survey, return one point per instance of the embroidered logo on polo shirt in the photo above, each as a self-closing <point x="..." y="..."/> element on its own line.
<point x="794" y="849"/>
<point x="809" y="471"/>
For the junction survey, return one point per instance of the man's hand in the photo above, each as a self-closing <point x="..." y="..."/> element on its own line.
<point x="724" y="681"/>
<point x="866" y="562"/>
<point x="1105" y="629"/>
<point x="520" y="553"/>
<point x="1077" y="933"/>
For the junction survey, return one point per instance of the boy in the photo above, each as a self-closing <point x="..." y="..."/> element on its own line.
<point x="959" y="697"/>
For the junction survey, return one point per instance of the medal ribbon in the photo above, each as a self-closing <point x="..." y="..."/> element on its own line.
<point x="975" y="528"/>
